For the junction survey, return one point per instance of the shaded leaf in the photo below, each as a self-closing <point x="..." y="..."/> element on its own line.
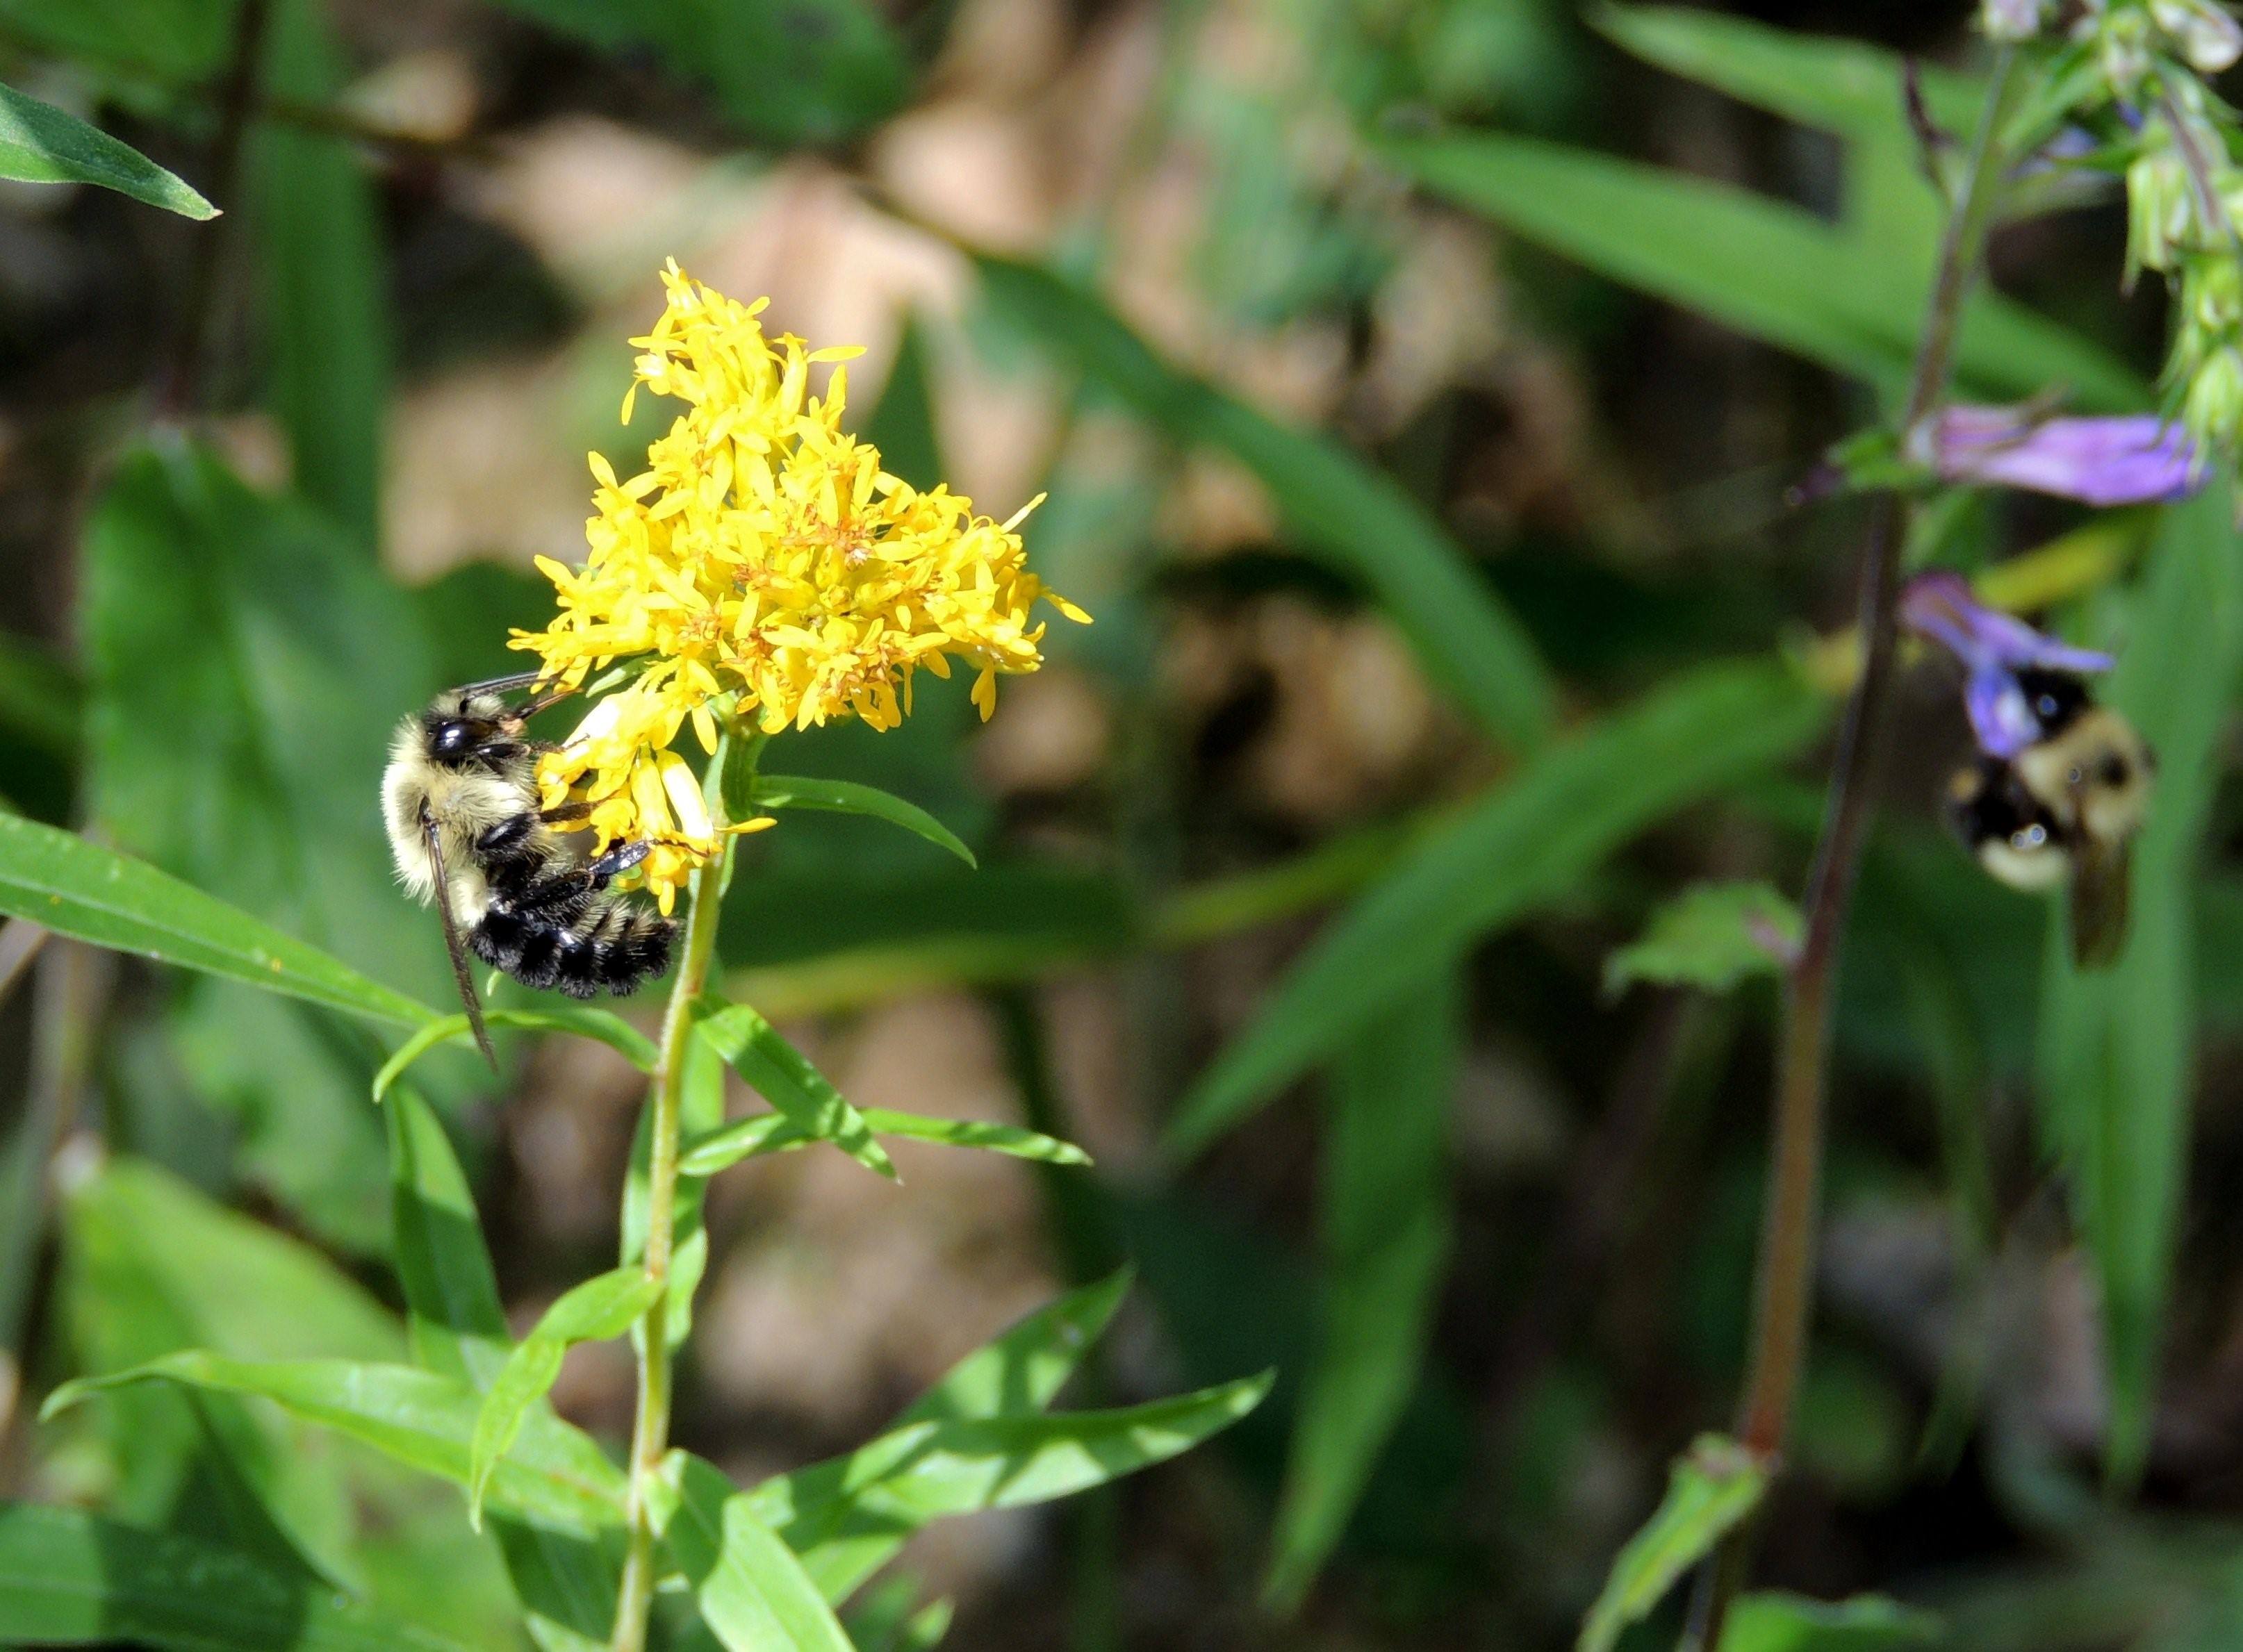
<point x="554" y="1475"/>
<point x="1712" y="936"/>
<point x="845" y="1517"/>
<point x="847" y="797"/>
<point x="72" y="1579"/>
<point x="776" y="1133"/>
<point x="1769" y="270"/>
<point x="79" y="889"/>
<point x="602" y="1025"/>
<point x="2117" y="1048"/>
<point x="603" y="1306"/>
<point x="751" y="1590"/>
<point x="1385" y="1223"/>
<point x="784" y="1076"/>
<point x="1528" y="841"/>
<point x="42" y="145"/>
<point x="41" y="699"/>
<point x="1713" y="1487"/>
<point x="1337" y="506"/>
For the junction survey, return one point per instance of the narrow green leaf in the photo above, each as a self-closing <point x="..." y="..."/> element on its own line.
<point x="325" y="310"/>
<point x="1530" y="840"/>
<point x="847" y="1516"/>
<point x="42" y="145"/>
<point x="1339" y="507"/>
<point x="752" y="1591"/>
<point x="603" y="1306"/>
<point x="1843" y="86"/>
<point x="774" y="1132"/>
<point x="1022" y="1371"/>
<point x="801" y="71"/>
<point x="81" y="889"/>
<point x="925" y="1629"/>
<point x="847" y="797"/>
<point x="1713" y="1486"/>
<point x="72" y="1579"/>
<point x="1712" y="936"/>
<point x="602" y="1025"/>
<point x="2118" y="1047"/>
<point x="1770" y="270"/>
<point x="784" y="1076"/>
<point x="555" y="1476"/>
<point x="457" y="1326"/>
<point x="1772" y="1621"/>
<point x="1386" y="1222"/>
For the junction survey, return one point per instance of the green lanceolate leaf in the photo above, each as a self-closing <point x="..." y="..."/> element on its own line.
<point x="1526" y="841"/>
<point x="847" y="797"/>
<point x="1769" y="270"/>
<point x="768" y="1133"/>
<point x="1843" y="86"/>
<point x="81" y="889"/>
<point x="555" y="1476"/>
<point x="847" y="1516"/>
<point x="602" y="1025"/>
<point x="41" y="144"/>
<point x="784" y="1076"/>
<point x="1339" y="507"/>
<point x="1386" y="1224"/>
<point x="793" y="70"/>
<point x="1713" y="1487"/>
<point x="1776" y="1623"/>
<point x="1711" y="936"/>
<point x="1022" y="1371"/>
<point x="752" y="1591"/>
<point x="72" y="1579"/>
<point x="600" y="1308"/>
<point x="2117" y="1046"/>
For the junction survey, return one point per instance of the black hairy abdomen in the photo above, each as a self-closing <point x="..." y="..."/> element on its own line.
<point x="550" y="923"/>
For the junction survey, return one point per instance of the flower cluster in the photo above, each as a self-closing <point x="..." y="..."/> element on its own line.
<point x="2140" y="66"/>
<point x="762" y="565"/>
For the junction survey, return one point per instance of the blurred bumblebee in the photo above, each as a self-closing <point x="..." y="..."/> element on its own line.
<point x="2064" y="808"/>
<point x="461" y="803"/>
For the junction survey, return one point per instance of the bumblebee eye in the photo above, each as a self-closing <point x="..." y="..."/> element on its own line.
<point x="454" y="737"/>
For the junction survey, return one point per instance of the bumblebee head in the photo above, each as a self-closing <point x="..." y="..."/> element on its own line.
<point x="465" y="726"/>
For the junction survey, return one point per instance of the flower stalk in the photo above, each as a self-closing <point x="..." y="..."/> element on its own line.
<point x="1784" y="1291"/>
<point x="651" y="1424"/>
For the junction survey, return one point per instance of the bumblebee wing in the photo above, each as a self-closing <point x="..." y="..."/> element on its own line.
<point x="2102" y="887"/>
<point x="454" y="945"/>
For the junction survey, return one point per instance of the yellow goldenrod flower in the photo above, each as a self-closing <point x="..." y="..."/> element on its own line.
<point x="762" y="563"/>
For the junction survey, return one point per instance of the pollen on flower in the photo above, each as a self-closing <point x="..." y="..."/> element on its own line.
<point x="763" y="565"/>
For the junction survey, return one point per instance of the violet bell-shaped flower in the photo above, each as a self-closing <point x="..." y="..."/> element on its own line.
<point x="2128" y="458"/>
<point x="1995" y="649"/>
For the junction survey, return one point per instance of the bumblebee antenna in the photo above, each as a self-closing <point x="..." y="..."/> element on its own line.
<point x="500" y="685"/>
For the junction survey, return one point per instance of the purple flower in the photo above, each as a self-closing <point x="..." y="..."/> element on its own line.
<point x="2133" y="458"/>
<point x="1995" y="649"/>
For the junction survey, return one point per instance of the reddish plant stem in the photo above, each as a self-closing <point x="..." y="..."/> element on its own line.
<point x="1784" y="1297"/>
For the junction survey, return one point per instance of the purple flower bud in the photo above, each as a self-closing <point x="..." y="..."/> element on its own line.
<point x="1994" y="649"/>
<point x="2133" y="458"/>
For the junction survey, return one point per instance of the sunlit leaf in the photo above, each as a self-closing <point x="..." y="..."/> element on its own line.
<point x="457" y="1326"/>
<point x="752" y="1591"/>
<point x="1778" y="1622"/>
<point x="602" y="1025"/>
<point x="1712" y="936"/>
<point x="775" y="1134"/>
<point x="42" y="145"/>
<point x="1526" y="841"/>
<point x="1337" y="507"/>
<point x="554" y="1475"/>
<point x="846" y="1516"/>
<point x="1713" y="1487"/>
<point x="847" y="797"/>
<point x="1385" y="1224"/>
<point x="72" y="1579"/>
<point x="1023" y="1370"/>
<point x="603" y="1306"/>
<point x="784" y="1076"/>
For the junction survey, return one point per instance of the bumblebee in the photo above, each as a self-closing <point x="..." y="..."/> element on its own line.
<point x="460" y="800"/>
<point x="2065" y="810"/>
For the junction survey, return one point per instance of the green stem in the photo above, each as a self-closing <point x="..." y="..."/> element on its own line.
<point x="651" y="1427"/>
<point x="1784" y="1296"/>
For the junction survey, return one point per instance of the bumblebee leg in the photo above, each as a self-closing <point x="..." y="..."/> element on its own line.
<point x="620" y="858"/>
<point x="561" y="814"/>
